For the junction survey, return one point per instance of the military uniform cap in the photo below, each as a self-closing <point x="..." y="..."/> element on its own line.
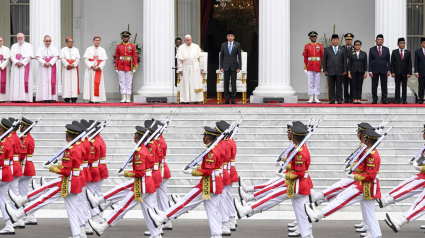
<point x="11" y="119"/>
<point x="140" y="130"/>
<point x="211" y="131"/>
<point x="81" y="126"/>
<point x="299" y="131"/>
<point x="288" y="127"/>
<point x="6" y="124"/>
<point x="73" y="129"/>
<point x="348" y="36"/>
<point x="371" y="134"/>
<point x="363" y="126"/>
<point x="299" y="124"/>
<point x="221" y="126"/>
<point x="26" y="122"/>
<point x="312" y="34"/>
<point x="423" y="129"/>
<point x="85" y="123"/>
<point x="126" y="34"/>
<point x="148" y="125"/>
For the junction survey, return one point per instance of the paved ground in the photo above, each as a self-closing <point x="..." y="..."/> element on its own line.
<point x="50" y="228"/>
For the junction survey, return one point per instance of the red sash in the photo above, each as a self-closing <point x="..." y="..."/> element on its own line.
<point x="97" y="78"/>
<point x="3" y="77"/>
<point x="78" y="75"/>
<point x="27" y="71"/>
<point x="53" y="78"/>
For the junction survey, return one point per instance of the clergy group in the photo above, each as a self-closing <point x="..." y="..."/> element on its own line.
<point x="18" y="87"/>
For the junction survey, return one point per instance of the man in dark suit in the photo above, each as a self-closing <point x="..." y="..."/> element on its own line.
<point x="345" y="80"/>
<point x="335" y="67"/>
<point x="178" y="43"/>
<point x="379" y="68"/>
<point x="230" y="64"/>
<point x="420" y="70"/>
<point x="401" y="69"/>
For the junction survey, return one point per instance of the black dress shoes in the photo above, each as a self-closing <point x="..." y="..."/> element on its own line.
<point x="374" y="102"/>
<point x="404" y="102"/>
<point x="397" y="102"/>
<point x="339" y="102"/>
<point x="227" y="101"/>
<point x="385" y="102"/>
<point x="421" y="102"/>
<point x="331" y="102"/>
<point x="233" y="101"/>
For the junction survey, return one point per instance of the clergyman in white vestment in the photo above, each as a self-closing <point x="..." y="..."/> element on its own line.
<point x="4" y="71"/>
<point x="21" y="89"/>
<point x="190" y="66"/>
<point x="47" y="82"/>
<point x="70" y="57"/>
<point x="95" y="58"/>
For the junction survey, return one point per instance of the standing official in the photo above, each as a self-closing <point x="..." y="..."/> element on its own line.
<point x="47" y="88"/>
<point x="345" y="79"/>
<point x="230" y="64"/>
<point x="379" y="68"/>
<point x="401" y="69"/>
<point x="21" y="81"/>
<point x="420" y="70"/>
<point x="357" y="71"/>
<point x="94" y="82"/>
<point x="70" y="57"/>
<point x="177" y="43"/>
<point x="4" y="72"/>
<point x="313" y="53"/>
<point x="125" y="65"/>
<point x="335" y="67"/>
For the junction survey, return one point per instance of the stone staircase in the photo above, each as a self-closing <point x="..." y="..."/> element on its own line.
<point x="260" y="139"/>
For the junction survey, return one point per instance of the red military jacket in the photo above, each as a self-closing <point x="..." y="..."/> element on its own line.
<point x="70" y="166"/>
<point x="313" y="54"/>
<point x="25" y="157"/>
<point x="94" y="160"/>
<point x="369" y="175"/>
<point x="125" y="55"/>
<point x="234" y="177"/>
<point x="86" y="171"/>
<point x="209" y="168"/>
<point x="83" y="157"/>
<point x="162" y="146"/>
<point x="298" y="174"/>
<point x="17" y="169"/>
<point x="154" y="162"/>
<point x="103" y="168"/>
<point x="226" y="160"/>
<point x="141" y="167"/>
<point x="6" y="155"/>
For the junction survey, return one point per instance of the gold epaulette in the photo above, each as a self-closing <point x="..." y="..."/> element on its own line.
<point x="70" y="148"/>
<point x="138" y="149"/>
<point x="93" y="140"/>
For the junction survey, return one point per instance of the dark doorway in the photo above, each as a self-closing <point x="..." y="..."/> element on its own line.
<point x="246" y="33"/>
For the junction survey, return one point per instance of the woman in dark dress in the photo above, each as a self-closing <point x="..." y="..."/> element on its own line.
<point x="357" y="71"/>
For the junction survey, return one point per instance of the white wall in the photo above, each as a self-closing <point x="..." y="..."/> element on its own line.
<point x="356" y="17"/>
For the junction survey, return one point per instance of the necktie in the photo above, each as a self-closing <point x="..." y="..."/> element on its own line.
<point x="379" y="51"/>
<point x="357" y="55"/>
<point x="401" y="54"/>
<point x="335" y="50"/>
<point x="230" y="48"/>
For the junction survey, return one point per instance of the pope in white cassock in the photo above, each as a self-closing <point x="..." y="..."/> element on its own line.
<point x="4" y="71"/>
<point x="70" y="57"/>
<point x="21" y="89"/>
<point x="95" y="58"/>
<point x="190" y="66"/>
<point x="47" y="83"/>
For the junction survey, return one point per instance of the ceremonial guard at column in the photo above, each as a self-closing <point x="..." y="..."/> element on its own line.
<point x="94" y="82"/>
<point x="21" y="82"/>
<point x="207" y="191"/>
<point x="365" y="189"/>
<point x="313" y="53"/>
<point x="125" y="65"/>
<point x="4" y="72"/>
<point x="47" y="86"/>
<point x="68" y="187"/>
<point x="142" y="190"/>
<point x="70" y="57"/>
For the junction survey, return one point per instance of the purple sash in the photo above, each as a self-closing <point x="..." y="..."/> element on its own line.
<point x="3" y="78"/>
<point x="53" y="78"/>
<point x="27" y="71"/>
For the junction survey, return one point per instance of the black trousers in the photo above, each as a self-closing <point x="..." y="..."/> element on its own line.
<point x="384" y="82"/>
<point x="229" y="75"/>
<point x="421" y="81"/>
<point x="175" y="79"/>
<point x="346" y="84"/>
<point x="356" y="86"/>
<point x="399" y="79"/>
<point x="332" y="82"/>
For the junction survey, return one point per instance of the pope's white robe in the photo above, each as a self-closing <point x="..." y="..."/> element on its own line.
<point x="4" y="73"/>
<point x="89" y="76"/>
<point x="47" y="81"/>
<point x="17" y="78"/>
<point x="190" y="62"/>
<point x="70" y="80"/>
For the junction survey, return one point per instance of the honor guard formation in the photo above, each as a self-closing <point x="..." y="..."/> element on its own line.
<point x="81" y="167"/>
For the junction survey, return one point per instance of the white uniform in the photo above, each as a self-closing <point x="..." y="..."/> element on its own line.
<point x="47" y="82"/>
<point x="70" y="78"/>
<point x="94" y="87"/>
<point x="190" y="62"/>
<point x="21" y="82"/>
<point x="4" y="73"/>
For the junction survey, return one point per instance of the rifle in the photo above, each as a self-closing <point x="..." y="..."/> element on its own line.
<point x="236" y="128"/>
<point x="166" y="122"/>
<point x="30" y="127"/>
<point x="100" y="128"/>
<point x="417" y="154"/>
<point x="16" y="122"/>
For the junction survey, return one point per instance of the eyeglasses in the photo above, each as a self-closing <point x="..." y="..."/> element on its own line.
<point x="48" y="41"/>
<point x="357" y="44"/>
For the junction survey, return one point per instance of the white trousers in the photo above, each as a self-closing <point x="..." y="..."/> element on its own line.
<point x="408" y="188"/>
<point x="229" y="200"/>
<point x="261" y="186"/>
<point x="269" y="189"/>
<point x="336" y="188"/>
<point x="350" y="196"/>
<point x="4" y="187"/>
<point x="95" y="188"/>
<point x="313" y="82"/>
<point x="14" y="187"/>
<point x="126" y="79"/>
<point x="128" y="203"/>
<point x="83" y="209"/>
<point x="119" y="192"/>
<point x="192" y="200"/>
<point x="417" y="209"/>
<point x="161" y="195"/>
<point x="222" y="207"/>
<point x="23" y="184"/>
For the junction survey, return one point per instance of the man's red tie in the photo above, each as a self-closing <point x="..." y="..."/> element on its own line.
<point x="401" y="54"/>
<point x="379" y="51"/>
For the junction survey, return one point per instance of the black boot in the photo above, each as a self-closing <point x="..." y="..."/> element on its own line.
<point x="74" y="100"/>
<point x="66" y="100"/>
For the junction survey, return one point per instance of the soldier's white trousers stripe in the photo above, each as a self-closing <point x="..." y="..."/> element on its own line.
<point x="269" y="188"/>
<point x="337" y="188"/>
<point x="161" y="195"/>
<point x="408" y="188"/>
<point x="43" y="189"/>
<point x="417" y="209"/>
<point x="192" y="200"/>
<point x="119" y="192"/>
<point x="261" y="186"/>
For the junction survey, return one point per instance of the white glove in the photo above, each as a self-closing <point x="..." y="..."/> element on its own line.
<point x="351" y="176"/>
<point x="130" y="165"/>
<point x="305" y="71"/>
<point x="346" y="169"/>
<point x="46" y="166"/>
<point x="277" y="164"/>
<point x="282" y="175"/>
<point x="120" y="174"/>
<point x="411" y="162"/>
<point x="116" y="71"/>
<point x="187" y="171"/>
<point x="416" y="166"/>
<point x="134" y="71"/>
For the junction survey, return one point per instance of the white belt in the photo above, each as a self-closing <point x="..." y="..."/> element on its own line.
<point x="81" y="167"/>
<point x="102" y="162"/>
<point x="155" y="167"/>
<point x="314" y="58"/>
<point x="306" y="175"/>
<point x="16" y="159"/>
<point x="188" y="62"/>
<point x="29" y="159"/>
<point x="164" y="161"/>
<point x="75" y="173"/>
<point x="94" y="165"/>
<point x="149" y="174"/>
<point x="233" y="164"/>
<point x="85" y="165"/>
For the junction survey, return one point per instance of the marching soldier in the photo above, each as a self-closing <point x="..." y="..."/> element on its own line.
<point x="313" y="53"/>
<point x="349" y="48"/>
<point x="125" y="65"/>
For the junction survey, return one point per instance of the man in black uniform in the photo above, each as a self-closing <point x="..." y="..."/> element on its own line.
<point x="401" y="69"/>
<point x="178" y="43"/>
<point x="379" y="68"/>
<point x="230" y="64"/>
<point x="346" y="81"/>
<point x="420" y="70"/>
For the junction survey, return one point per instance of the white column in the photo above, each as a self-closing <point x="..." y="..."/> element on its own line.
<point x="45" y="19"/>
<point x="274" y="52"/>
<point x="187" y="22"/>
<point x="158" y="49"/>
<point x="391" y="21"/>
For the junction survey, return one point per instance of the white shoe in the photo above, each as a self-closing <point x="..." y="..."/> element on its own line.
<point x="77" y="236"/>
<point x="316" y="100"/>
<point x="168" y="226"/>
<point x="148" y="233"/>
<point x="311" y="99"/>
<point x="83" y="232"/>
<point x="395" y="223"/>
<point x="295" y="233"/>
<point x="226" y="229"/>
<point x="245" y="196"/>
<point x="94" y="201"/>
<point x="123" y="98"/>
<point x="216" y="237"/>
<point x="8" y="229"/>
<point x="292" y="229"/>
<point x="128" y="98"/>
<point x="158" y="236"/>
<point x="175" y="198"/>
<point x="157" y="219"/>
<point x="20" y="224"/>
<point x="88" y="229"/>
<point x="34" y="185"/>
<point x="42" y="181"/>
<point x="14" y="215"/>
<point x="359" y="225"/>
<point x="18" y="200"/>
<point x="312" y="213"/>
<point x="311" y="232"/>
<point x="361" y="230"/>
<point x="241" y="210"/>
<point x="98" y="218"/>
<point x="368" y="234"/>
<point x="363" y="234"/>
<point x="316" y="196"/>
<point x="295" y="223"/>
<point x="30" y="220"/>
<point x="422" y="226"/>
<point x="245" y="188"/>
<point x="98" y="228"/>
<point x="105" y="205"/>
<point x="233" y="221"/>
<point x="232" y="224"/>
